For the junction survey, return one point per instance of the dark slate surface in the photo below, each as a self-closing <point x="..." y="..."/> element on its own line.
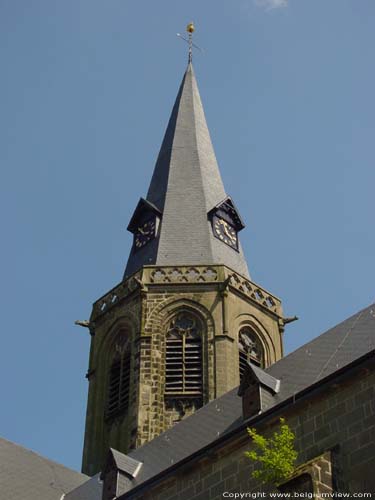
<point x="326" y="354"/>
<point x="25" y="475"/>
<point x="185" y="186"/>
<point x="321" y="357"/>
<point x="143" y="205"/>
<point x="329" y="352"/>
<point x="90" y="490"/>
<point x="263" y="378"/>
<point x="125" y="463"/>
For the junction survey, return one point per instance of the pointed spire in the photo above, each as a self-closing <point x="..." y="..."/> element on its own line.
<point x="186" y="155"/>
<point x="185" y="188"/>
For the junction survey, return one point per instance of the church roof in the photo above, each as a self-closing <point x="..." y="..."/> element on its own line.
<point x="90" y="490"/>
<point x="299" y="372"/>
<point x="185" y="187"/>
<point x="27" y="475"/>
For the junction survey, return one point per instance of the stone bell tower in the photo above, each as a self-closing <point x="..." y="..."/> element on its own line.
<point x="177" y="331"/>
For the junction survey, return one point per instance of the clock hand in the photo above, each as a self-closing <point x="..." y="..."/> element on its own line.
<point x="225" y="226"/>
<point x="228" y="233"/>
<point x="143" y="232"/>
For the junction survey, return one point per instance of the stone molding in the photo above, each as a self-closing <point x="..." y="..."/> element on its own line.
<point x="315" y="475"/>
<point x="151" y="276"/>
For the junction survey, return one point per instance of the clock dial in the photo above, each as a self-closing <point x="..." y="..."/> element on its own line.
<point x="145" y="233"/>
<point x="225" y="232"/>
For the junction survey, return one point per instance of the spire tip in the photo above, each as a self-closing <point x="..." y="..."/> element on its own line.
<point x="190" y="29"/>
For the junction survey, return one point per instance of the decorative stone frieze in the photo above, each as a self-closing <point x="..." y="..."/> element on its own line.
<point x="185" y="275"/>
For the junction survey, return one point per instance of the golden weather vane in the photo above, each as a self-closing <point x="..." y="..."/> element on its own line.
<point x="190" y="28"/>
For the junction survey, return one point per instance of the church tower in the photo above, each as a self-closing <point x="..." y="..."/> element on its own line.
<point x="177" y="331"/>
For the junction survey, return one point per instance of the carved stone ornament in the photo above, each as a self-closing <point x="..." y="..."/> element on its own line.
<point x="250" y="345"/>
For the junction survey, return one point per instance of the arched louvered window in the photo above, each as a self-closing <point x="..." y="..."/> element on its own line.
<point x="119" y="378"/>
<point x="249" y="349"/>
<point x="183" y="371"/>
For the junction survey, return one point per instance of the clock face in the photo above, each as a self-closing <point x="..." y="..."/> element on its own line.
<point x="225" y="232"/>
<point x="145" y="233"/>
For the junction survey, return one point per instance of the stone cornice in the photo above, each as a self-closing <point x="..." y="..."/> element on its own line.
<point x="171" y="276"/>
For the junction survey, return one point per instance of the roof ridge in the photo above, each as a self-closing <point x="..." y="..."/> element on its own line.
<point x="303" y="346"/>
<point x="355" y="321"/>
<point x="186" y="184"/>
<point x="202" y="183"/>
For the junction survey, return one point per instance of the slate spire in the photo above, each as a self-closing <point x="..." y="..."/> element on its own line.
<point x="185" y="192"/>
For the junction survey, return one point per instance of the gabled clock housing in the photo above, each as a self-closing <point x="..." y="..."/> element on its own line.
<point x="226" y="222"/>
<point x="144" y="224"/>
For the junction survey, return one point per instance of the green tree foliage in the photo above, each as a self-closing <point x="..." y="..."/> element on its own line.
<point x="275" y="456"/>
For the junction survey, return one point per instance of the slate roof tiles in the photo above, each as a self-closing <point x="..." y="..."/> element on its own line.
<point x="331" y="351"/>
<point x="186" y="185"/>
<point x="25" y="475"/>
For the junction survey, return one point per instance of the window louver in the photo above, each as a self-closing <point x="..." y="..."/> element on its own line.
<point x="242" y="362"/>
<point x="119" y="381"/>
<point x="183" y="356"/>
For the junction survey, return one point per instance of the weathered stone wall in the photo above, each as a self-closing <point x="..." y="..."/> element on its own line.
<point x="101" y="434"/>
<point x="145" y="304"/>
<point x="341" y="419"/>
<point x="315" y="476"/>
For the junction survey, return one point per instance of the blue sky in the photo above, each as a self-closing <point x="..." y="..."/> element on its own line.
<point x="86" y="90"/>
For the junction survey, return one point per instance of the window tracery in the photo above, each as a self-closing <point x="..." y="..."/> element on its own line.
<point x="183" y="366"/>
<point x="249" y="349"/>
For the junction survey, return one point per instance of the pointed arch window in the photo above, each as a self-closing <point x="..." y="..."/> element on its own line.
<point x="249" y="349"/>
<point x="119" y="378"/>
<point x="183" y="370"/>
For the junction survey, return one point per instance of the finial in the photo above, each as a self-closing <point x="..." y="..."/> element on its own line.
<point x="190" y="28"/>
